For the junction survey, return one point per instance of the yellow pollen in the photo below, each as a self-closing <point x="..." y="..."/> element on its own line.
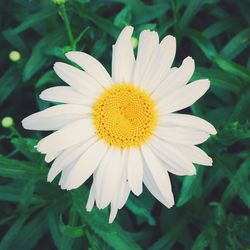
<point x="124" y="116"/>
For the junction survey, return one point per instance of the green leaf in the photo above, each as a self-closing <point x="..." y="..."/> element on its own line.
<point x="202" y="42"/>
<point x="20" y="170"/>
<point x="236" y="45"/>
<point x="13" y="194"/>
<point x="124" y="17"/>
<point x="219" y="213"/>
<point x="143" y="13"/>
<point x="193" y="7"/>
<point x="8" y="83"/>
<point x="31" y="232"/>
<point x="34" y="19"/>
<point x="71" y="231"/>
<point x="15" y="40"/>
<point x="112" y="234"/>
<point x="233" y="132"/>
<point x="102" y="23"/>
<point x="10" y="236"/>
<point x="135" y="206"/>
<point x="62" y="242"/>
<point x="237" y="183"/>
<point x="205" y="237"/>
<point x="232" y="68"/>
<point x="27" y="147"/>
<point x="219" y="27"/>
<point x="168" y="240"/>
<point x="219" y="78"/>
<point x="38" y="58"/>
<point x="191" y="187"/>
<point x="49" y="77"/>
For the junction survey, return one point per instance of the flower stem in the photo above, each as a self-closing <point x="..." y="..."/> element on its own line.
<point x="67" y="25"/>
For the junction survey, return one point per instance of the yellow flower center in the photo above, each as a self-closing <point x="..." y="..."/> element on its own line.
<point x="124" y="116"/>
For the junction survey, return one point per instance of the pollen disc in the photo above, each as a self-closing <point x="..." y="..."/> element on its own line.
<point x="124" y="116"/>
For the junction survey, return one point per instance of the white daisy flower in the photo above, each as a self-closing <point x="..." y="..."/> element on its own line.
<point x="123" y="129"/>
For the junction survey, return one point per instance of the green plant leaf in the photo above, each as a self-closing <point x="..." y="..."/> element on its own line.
<point x="205" y="237"/>
<point x="22" y="170"/>
<point x="112" y="234"/>
<point x="237" y="183"/>
<point x="190" y="187"/>
<point x="8" y="83"/>
<point x="135" y="206"/>
<point x="236" y="45"/>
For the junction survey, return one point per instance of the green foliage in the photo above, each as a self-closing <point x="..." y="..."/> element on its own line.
<point x="212" y="207"/>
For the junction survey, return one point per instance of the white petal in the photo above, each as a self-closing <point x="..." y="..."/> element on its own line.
<point x="108" y="178"/>
<point x="113" y="213"/>
<point x="65" y="94"/>
<point x="190" y="121"/>
<point x="176" y="162"/>
<point x="175" y="79"/>
<point x="91" y="199"/>
<point x="78" y="79"/>
<point x="135" y="171"/>
<point x="148" y="42"/>
<point x="70" y="135"/>
<point x="159" y="64"/>
<point x="55" y="117"/>
<point x="183" y="97"/>
<point x="51" y="156"/>
<point x="64" y="176"/>
<point x="92" y="66"/>
<point x="196" y="155"/>
<point x="86" y="165"/>
<point x="121" y="194"/>
<point x="67" y="157"/>
<point x="160" y="179"/>
<point x="123" y="57"/>
<point x="123" y="191"/>
<point x="182" y="135"/>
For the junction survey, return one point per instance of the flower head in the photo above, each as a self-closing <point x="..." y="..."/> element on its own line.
<point x="7" y="122"/>
<point x="123" y="129"/>
<point x="15" y="56"/>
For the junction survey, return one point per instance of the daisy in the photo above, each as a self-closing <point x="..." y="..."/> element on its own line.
<point x="123" y="129"/>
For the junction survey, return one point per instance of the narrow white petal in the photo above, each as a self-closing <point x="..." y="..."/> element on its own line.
<point x="70" y="135"/>
<point x="135" y="171"/>
<point x="51" y="156"/>
<point x="64" y="176"/>
<point x="159" y="175"/>
<point x="108" y="178"/>
<point x="86" y="165"/>
<point x="159" y="64"/>
<point x="65" y="94"/>
<point x="122" y="193"/>
<point x="182" y="135"/>
<point x="148" y="42"/>
<point x="190" y="121"/>
<point x="99" y="175"/>
<point x="196" y="155"/>
<point x="67" y="157"/>
<point x="55" y="117"/>
<point x="91" y="199"/>
<point x="175" y="79"/>
<point x="91" y="66"/>
<point x="78" y="79"/>
<point x="113" y="213"/>
<point x="176" y="162"/>
<point x="183" y="97"/>
<point x="123" y="57"/>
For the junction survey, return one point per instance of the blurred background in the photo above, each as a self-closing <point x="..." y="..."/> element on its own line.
<point x="212" y="208"/>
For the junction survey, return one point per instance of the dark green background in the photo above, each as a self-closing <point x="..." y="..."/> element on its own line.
<point x="211" y="210"/>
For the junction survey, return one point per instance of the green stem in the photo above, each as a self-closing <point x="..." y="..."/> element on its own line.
<point x="67" y="25"/>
